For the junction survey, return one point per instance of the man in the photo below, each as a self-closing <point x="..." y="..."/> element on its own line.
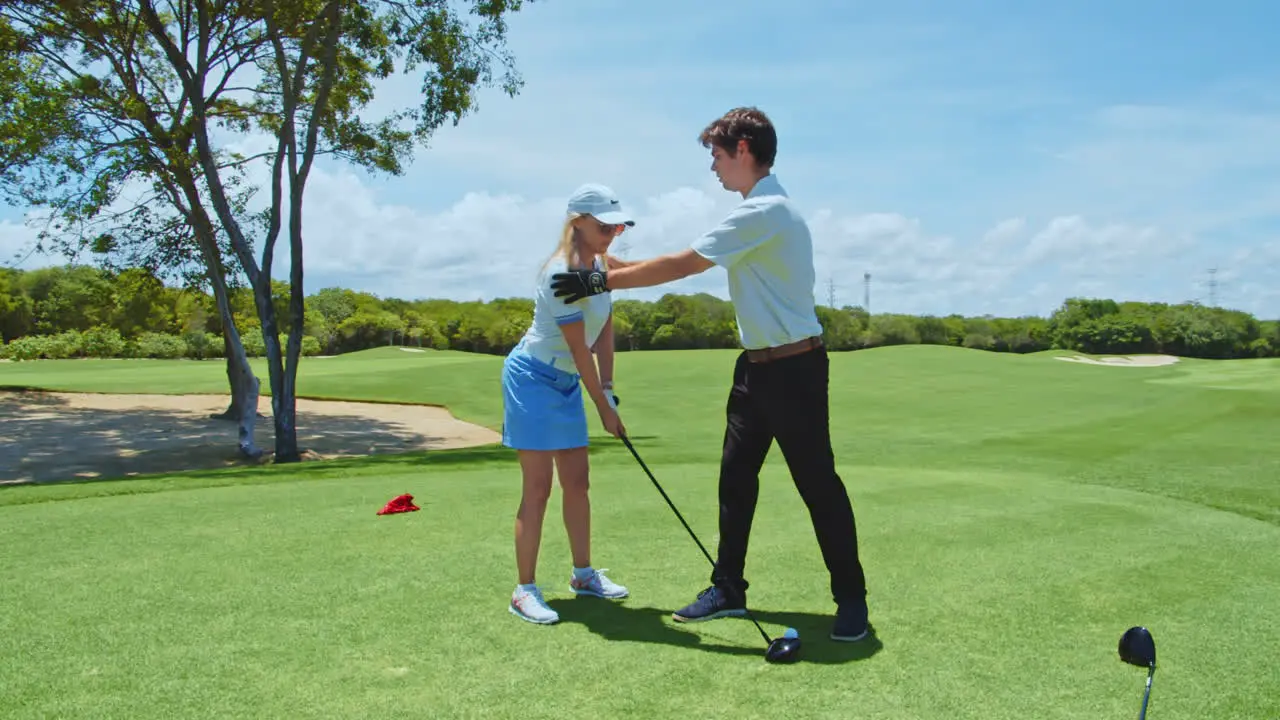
<point x="780" y="381"/>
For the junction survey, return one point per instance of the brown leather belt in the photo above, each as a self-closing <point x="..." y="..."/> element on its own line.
<point x="781" y="351"/>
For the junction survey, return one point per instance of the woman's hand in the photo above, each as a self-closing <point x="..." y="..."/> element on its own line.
<point x="612" y="422"/>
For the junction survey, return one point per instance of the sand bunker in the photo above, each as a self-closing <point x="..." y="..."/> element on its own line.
<point x="1125" y="360"/>
<point x="51" y="436"/>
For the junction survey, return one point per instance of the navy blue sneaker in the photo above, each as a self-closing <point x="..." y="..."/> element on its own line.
<point x="851" y="623"/>
<point x="712" y="603"/>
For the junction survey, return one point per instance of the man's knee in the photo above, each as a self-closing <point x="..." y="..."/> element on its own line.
<point x="821" y="486"/>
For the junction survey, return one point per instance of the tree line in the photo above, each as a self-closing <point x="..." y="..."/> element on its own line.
<point x="88" y="311"/>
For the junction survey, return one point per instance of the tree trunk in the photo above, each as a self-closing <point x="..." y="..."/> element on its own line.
<point x="286" y="417"/>
<point x="244" y="395"/>
<point x="282" y="400"/>
<point x="244" y="386"/>
<point x="238" y="375"/>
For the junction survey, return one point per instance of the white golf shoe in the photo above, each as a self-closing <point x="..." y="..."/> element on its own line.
<point x="597" y="584"/>
<point x="527" y="604"/>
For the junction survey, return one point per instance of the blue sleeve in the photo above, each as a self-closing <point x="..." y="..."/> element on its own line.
<point x="742" y="231"/>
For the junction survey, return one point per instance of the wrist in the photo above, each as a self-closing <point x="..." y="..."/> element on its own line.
<point x="607" y="279"/>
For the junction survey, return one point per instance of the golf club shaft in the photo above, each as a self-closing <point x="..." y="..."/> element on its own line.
<point x="626" y="441"/>
<point x="672" y="505"/>
<point x="1147" y="695"/>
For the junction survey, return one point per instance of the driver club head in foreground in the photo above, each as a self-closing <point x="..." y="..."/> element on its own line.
<point x="783" y="650"/>
<point x="1137" y="647"/>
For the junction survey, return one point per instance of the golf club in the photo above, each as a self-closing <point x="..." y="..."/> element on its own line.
<point x="1138" y="648"/>
<point x="785" y="649"/>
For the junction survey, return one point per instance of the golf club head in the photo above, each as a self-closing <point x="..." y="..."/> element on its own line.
<point x="1137" y="647"/>
<point x="783" y="650"/>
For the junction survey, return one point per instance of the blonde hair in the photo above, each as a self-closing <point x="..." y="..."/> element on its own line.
<point x="565" y="247"/>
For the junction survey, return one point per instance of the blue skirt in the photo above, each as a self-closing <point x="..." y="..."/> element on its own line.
<point x="542" y="405"/>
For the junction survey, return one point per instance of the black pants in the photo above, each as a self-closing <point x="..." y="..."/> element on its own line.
<point x="786" y="400"/>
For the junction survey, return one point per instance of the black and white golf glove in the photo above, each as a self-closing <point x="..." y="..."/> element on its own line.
<point x="577" y="284"/>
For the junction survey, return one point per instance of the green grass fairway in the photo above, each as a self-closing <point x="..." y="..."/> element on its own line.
<point x="1016" y="515"/>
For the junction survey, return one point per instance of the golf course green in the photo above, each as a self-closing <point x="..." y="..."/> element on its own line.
<point x="1016" y="515"/>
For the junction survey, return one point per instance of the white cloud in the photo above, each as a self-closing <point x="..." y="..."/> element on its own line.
<point x="487" y="246"/>
<point x="1073" y="244"/>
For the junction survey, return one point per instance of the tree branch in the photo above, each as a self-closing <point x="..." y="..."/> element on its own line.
<point x="321" y="107"/>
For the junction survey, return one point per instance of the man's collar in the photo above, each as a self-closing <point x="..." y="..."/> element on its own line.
<point x="767" y="185"/>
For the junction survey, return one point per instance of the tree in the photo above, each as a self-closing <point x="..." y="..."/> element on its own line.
<point x="109" y="154"/>
<point x="317" y="63"/>
<point x="302" y="72"/>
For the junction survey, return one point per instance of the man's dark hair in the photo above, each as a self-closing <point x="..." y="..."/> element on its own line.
<point x="744" y="123"/>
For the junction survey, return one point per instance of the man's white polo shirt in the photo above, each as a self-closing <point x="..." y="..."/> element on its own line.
<point x="765" y="246"/>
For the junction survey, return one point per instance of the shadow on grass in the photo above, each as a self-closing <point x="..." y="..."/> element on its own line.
<point x="48" y="439"/>
<point x="246" y="473"/>
<point x="313" y="470"/>
<point x="97" y="445"/>
<point x="618" y="621"/>
<point x="448" y="458"/>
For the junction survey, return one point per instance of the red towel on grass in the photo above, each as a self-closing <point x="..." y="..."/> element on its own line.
<point x="403" y="503"/>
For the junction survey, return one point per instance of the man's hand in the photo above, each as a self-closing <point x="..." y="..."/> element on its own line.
<point x="577" y="284"/>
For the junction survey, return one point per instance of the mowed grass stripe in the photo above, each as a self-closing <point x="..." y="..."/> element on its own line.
<point x="308" y="591"/>
<point x="1009" y="540"/>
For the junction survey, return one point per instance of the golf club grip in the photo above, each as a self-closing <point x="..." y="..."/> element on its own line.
<point x="627" y="441"/>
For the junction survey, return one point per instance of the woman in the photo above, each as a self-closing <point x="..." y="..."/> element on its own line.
<point x="544" y="419"/>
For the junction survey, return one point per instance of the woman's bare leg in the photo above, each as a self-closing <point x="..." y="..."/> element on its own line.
<point x="574" y="471"/>
<point x="537" y="469"/>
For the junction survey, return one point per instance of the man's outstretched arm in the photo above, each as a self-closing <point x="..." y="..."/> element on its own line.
<point x="659" y="270"/>
<point x="577" y="284"/>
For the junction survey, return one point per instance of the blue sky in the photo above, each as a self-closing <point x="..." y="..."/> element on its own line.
<point x="992" y="157"/>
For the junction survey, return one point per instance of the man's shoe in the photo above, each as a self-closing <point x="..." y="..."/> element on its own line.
<point x="714" y="602"/>
<point x="851" y="623"/>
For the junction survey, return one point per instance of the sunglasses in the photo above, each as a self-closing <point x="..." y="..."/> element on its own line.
<point x="610" y="229"/>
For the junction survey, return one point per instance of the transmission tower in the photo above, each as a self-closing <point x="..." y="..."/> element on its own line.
<point x="831" y="293"/>
<point x="1213" y="287"/>
<point x="866" y="292"/>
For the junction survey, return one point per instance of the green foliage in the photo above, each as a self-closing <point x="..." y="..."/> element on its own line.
<point x="106" y="342"/>
<point x="203" y="345"/>
<point x="50" y="302"/>
<point x="160" y="346"/>
<point x="1185" y="330"/>
<point x="103" y="342"/>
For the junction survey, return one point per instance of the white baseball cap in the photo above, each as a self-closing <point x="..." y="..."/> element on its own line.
<point x="599" y="202"/>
